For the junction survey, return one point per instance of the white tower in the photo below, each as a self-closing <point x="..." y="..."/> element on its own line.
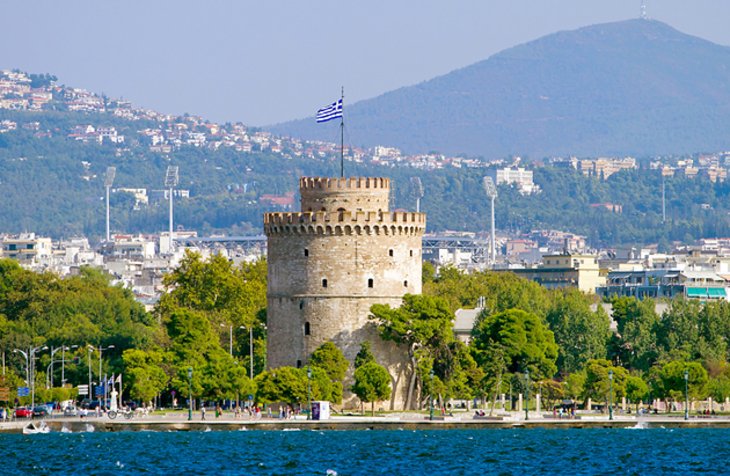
<point x="417" y="191"/>
<point x="491" y="191"/>
<point x="171" y="181"/>
<point x="108" y="181"/>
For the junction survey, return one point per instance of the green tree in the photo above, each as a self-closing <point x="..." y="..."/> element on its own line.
<point x="372" y="383"/>
<point x="525" y="343"/>
<point x="635" y="344"/>
<point x="598" y="385"/>
<point x="668" y="380"/>
<point x="144" y="374"/>
<point x="332" y="361"/>
<point x="364" y="355"/>
<point x="423" y="324"/>
<point x="636" y="390"/>
<point x="581" y="334"/>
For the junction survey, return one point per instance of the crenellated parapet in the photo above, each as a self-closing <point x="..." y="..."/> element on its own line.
<point x="322" y="194"/>
<point x="340" y="183"/>
<point x="345" y="223"/>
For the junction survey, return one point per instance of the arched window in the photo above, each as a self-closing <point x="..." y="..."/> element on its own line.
<point x="301" y="305"/>
<point x="390" y="252"/>
<point x="405" y="284"/>
<point x="370" y="282"/>
<point x="306" y="251"/>
<point x="324" y="283"/>
<point x="299" y="364"/>
<point x="307" y="330"/>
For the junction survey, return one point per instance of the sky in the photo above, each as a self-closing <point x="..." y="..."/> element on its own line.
<point x="271" y="61"/>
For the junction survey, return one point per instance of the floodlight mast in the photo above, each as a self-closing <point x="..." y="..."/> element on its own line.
<point x="491" y="192"/>
<point x="108" y="181"/>
<point x="171" y="181"/>
<point x="417" y="191"/>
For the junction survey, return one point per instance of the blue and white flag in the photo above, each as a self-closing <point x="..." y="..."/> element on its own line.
<point x="332" y="111"/>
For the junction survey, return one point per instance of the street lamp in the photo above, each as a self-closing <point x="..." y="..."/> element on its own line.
<point x="686" y="394"/>
<point x="309" y="391"/>
<point x="30" y="369"/>
<point x="63" y="362"/>
<point x="101" y="350"/>
<point x="527" y="394"/>
<point x="430" y="396"/>
<point x="610" y="394"/>
<point x="190" y="393"/>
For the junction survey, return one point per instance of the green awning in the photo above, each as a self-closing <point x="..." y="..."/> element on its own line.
<point x="716" y="292"/>
<point x="696" y="292"/>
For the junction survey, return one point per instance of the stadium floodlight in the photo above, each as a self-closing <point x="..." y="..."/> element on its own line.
<point x="417" y="191"/>
<point x="111" y="172"/>
<point x="172" y="178"/>
<point x="491" y="192"/>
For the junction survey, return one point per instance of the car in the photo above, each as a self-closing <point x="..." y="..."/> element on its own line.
<point x="23" y="412"/>
<point x="70" y="411"/>
<point x="41" y="411"/>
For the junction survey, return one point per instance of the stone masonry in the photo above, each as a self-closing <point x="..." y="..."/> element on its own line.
<point x="327" y="264"/>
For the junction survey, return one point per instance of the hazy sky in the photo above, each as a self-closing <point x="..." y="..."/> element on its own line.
<point x="270" y="61"/>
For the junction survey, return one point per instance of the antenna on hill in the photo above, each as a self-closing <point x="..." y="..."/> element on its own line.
<point x="108" y="181"/>
<point x="664" y="203"/>
<point x="491" y="192"/>
<point x="171" y="180"/>
<point x="643" y="11"/>
<point x="417" y="191"/>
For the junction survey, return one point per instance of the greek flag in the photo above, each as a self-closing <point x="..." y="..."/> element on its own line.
<point x="332" y="111"/>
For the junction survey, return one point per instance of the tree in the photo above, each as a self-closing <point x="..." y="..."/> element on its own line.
<point x="423" y="324"/>
<point x="332" y="361"/>
<point x="522" y="338"/>
<point x="635" y="345"/>
<point x="364" y="355"/>
<point x="372" y="383"/>
<point x="636" y="390"/>
<point x="581" y="334"/>
<point x="668" y="380"/>
<point x="597" y="384"/>
<point x="143" y="373"/>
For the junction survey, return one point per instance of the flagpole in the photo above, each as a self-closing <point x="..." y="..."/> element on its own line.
<point x="342" y="136"/>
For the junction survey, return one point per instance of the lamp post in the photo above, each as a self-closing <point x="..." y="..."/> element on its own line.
<point x="309" y="391"/>
<point x="686" y="394"/>
<point x="430" y="397"/>
<point x="190" y="393"/>
<point x="610" y="394"/>
<point x="30" y="369"/>
<point x="101" y="351"/>
<point x="527" y="394"/>
<point x="63" y="361"/>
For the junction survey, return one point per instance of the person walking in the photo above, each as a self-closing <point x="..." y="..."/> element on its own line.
<point x="202" y="412"/>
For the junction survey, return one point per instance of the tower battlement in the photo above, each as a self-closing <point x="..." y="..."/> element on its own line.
<point x="339" y="183"/>
<point x="344" y="193"/>
<point x="384" y="219"/>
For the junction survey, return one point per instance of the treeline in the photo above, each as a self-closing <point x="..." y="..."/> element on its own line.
<point x="212" y="309"/>
<point x="225" y="187"/>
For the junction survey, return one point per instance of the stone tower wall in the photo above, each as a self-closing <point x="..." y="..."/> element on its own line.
<point x="326" y="269"/>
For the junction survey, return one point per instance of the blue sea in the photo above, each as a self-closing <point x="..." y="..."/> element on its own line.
<point x="392" y="452"/>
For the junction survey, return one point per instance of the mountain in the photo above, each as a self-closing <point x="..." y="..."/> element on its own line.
<point x="631" y="87"/>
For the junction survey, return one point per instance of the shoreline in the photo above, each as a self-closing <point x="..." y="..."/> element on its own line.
<point x="180" y="423"/>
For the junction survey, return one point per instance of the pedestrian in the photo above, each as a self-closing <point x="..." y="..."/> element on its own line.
<point x="202" y="412"/>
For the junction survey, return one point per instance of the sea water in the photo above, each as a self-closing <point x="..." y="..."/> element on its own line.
<point x="392" y="452"/>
